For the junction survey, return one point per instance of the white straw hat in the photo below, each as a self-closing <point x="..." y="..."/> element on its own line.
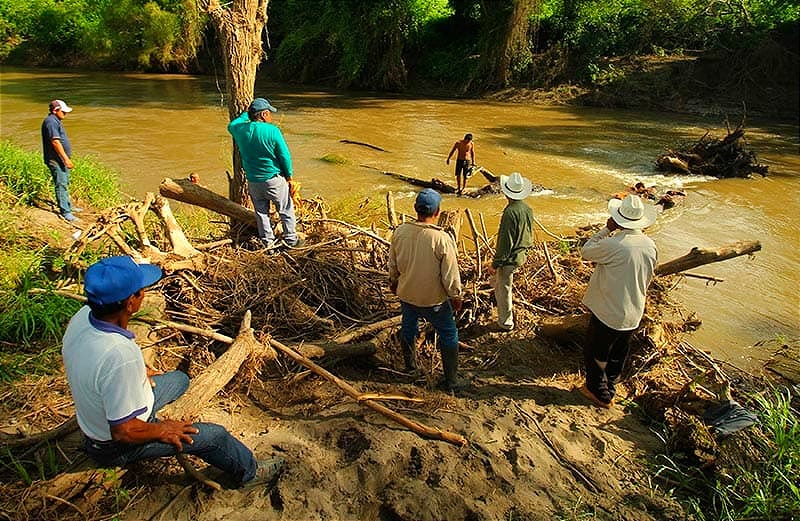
<point x="632" y="212"/>
<point x="515" y="186"/>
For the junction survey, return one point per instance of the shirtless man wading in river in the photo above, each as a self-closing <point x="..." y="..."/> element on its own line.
<point x="464" y="146"/>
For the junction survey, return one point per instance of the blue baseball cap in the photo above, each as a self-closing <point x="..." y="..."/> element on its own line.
<point x="260" y="105"/>
<point x="427" y="201"/>
<point x="114" y="279"/>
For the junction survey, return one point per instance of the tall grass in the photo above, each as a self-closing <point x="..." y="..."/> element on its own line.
<point x="28" y="179"/>
<point x="765" y="486"/>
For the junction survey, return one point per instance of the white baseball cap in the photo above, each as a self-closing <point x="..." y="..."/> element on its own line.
<point x="58" y="104"/>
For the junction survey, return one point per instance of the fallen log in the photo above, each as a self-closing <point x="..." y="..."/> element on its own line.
<point x="187" y="192"/>
<point x="330" y="350"/>
<point x="62" y="430"/>
<point x="215" y="376"/>
<point x="699" y="256"/>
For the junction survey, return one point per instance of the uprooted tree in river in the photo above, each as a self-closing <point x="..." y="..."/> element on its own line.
<point x="710" y="156"/>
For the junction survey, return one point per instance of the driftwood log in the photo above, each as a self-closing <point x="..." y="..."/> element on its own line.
<point x="574" y="327"/>
<point x="185" y="191"/>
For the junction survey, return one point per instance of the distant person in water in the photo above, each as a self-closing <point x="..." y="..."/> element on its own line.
<point x="465" y="147"/>
<point x="624" y="266"/>
<point x="57" y="152"/>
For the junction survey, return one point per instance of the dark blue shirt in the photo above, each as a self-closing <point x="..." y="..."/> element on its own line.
<point x="52" y="128"/>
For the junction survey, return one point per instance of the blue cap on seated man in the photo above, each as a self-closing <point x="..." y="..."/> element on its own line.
<point x="114" y="279"/>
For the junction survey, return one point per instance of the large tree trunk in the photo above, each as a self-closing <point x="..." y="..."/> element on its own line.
<point x="187" y="192"/>
<point x="504" y="41"/>
<point x="239" y="26"/>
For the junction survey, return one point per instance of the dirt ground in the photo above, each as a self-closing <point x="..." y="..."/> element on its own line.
<point x="536" y="449"/>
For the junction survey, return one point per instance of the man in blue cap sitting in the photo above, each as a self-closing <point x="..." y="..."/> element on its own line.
<point x="423" y="273"/>
<point x="117" y="396"/>
<point x="268" y="165"/>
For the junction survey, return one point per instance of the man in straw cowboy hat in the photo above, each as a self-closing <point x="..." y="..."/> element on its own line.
<point x="514" y="239"/>
<point x="117" y="395"/>
<point x="616" y="294"/>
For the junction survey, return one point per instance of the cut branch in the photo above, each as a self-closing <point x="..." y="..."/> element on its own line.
<point x="698" y="257"/>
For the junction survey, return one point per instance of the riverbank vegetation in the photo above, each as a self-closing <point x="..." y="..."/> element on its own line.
<point x="669" y="54"/>
<point x="749" y="475"/>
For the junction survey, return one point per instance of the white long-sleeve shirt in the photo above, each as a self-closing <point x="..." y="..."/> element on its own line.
<point x="625" y="265"/>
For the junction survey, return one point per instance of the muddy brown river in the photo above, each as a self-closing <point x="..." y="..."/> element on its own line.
<point x="149" y="127"/>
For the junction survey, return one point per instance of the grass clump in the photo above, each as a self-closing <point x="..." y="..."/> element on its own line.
<point x="757" y="478"/>
<point x="28" y="180"/>
<point x="335" y="159"/>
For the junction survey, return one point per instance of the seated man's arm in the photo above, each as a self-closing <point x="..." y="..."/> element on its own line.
<point x="136" y="431"/>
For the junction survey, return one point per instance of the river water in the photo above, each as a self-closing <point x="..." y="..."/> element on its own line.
<point x="153" y="126"/>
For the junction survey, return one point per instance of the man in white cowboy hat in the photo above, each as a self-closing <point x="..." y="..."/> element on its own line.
<point x="514" y="239"/>
<point x="617" y="291"/>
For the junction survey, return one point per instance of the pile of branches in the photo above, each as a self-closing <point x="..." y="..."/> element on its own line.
<point x="710" y="156"/>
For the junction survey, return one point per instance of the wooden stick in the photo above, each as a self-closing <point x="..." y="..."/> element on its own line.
<point x="62" y="430"/>
<point x="369" y="329"/>
<point x="550" y="263"/>
<point x="703" y="277"/>
<point x="354" y="227"/>
<point x="212" y="245"/>
<point x="373" y="147"/>
<point x="420" y="429"/>
<point x="193" y="472"/>
<point x="392" y="214"/>
<point x="475" y="237"/>
<point x="398" y="397"/>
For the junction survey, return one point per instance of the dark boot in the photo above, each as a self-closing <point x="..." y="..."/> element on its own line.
<point x="451" y="381"/>
<point x="409" y="356"/>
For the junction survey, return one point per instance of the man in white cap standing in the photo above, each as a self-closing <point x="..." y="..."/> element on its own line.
<point x="514" y="239"/>
<point x="616" y="295"/>
<point x="57" y="153"/>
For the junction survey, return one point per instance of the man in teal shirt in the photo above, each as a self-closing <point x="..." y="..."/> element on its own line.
<point x="514" y="238"/>
<point x="268" y="165"/>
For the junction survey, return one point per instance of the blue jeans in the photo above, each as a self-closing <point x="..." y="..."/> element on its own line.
<point x="441" y="318"/>
<point x="276" y="191"/>
<point x="61" y="181"/>
<point x="213" y="444"/>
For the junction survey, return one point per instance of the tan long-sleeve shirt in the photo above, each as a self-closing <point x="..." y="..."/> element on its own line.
<point x="423" y="263"/>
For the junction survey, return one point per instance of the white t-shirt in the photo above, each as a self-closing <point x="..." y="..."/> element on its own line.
<point x="106" y="375"/>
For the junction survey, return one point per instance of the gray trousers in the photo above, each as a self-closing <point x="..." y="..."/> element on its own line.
<point x="503" y="279"/>
<point x="276" y="191"/>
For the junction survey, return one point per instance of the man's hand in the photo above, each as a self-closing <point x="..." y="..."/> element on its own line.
<point x="612" y="225"/>
<point x="174" y="432"/>
<point x="151" y="373"/>
<point x="490" y="270"/>
<point x="456" y="303"/>
<point x="68" y="163"/>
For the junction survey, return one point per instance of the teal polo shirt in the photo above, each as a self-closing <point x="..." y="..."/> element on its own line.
<point x="262" y="147"/>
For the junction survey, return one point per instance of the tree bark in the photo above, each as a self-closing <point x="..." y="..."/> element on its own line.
<point x="239" y="26"/>
<point x="187" y="192"/>
<point x="504" y="41"/>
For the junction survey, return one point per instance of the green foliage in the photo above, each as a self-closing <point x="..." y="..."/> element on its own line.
<point x="764" y="487"/>
<point x="335" y="159"/>
<point x="26" y="317"/>
<point x="138" y="34"/>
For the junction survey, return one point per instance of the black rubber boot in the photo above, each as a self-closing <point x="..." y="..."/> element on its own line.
<point x="409" y="356"/>
<point x="451" y="381"/>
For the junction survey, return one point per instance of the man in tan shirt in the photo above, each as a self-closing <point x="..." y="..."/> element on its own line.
<point x="423" y="273"/>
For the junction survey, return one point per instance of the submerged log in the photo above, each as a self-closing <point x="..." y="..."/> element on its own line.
<point x="187" y="192"/>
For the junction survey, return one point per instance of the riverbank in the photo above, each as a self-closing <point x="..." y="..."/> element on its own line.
<point x="536" y="449"/>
